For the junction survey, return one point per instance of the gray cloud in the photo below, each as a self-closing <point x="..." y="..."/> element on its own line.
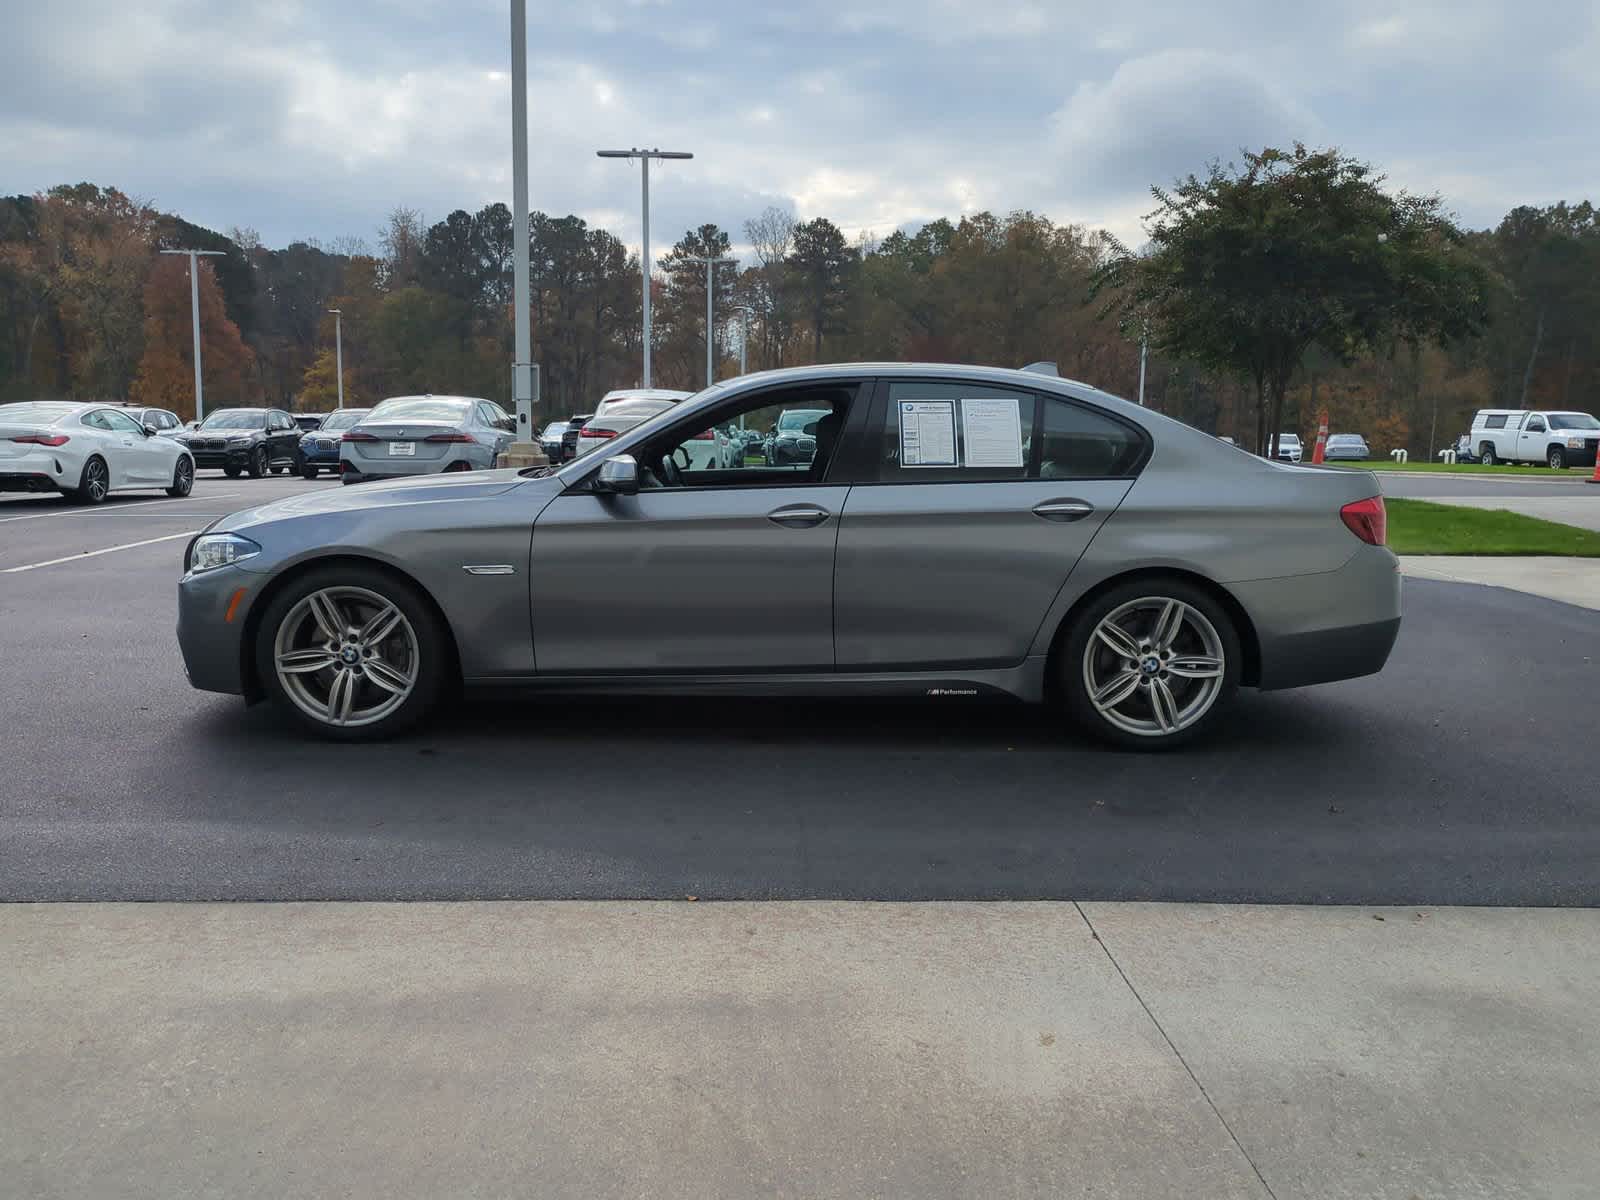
<point x="313" y="119"/>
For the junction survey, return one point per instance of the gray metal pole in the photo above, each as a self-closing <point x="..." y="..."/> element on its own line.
<point x="1143" y="345"/>
<point x="710" y="333"/>
<point x="644" y="156"/>
<point x="338" y="350"/>
<point x="194" y="312"/>
<point x="519" y="187"/>
<point x="644" y="263"/>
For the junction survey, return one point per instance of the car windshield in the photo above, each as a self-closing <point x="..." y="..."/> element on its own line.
<point x="236" y="418"/>
<point x="554" y="428"/>
<point x="344" y="419"/>
<point x="1572" y="421"/>
<point x="36" y="412"/>
<point x="797" y="419"/>
<point x="1289" y="439"/>
<point x="428" y="409"/>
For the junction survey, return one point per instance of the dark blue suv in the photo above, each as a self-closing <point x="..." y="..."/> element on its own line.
<point x="319" y="447"/>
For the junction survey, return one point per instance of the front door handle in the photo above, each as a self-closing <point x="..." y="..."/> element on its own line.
<point x="1063" y="510"/>
<point x="798" y="516"/>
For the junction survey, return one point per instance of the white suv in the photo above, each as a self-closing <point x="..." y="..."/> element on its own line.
<point x="1556" y="439"/>
<point x="1289" y="449"/>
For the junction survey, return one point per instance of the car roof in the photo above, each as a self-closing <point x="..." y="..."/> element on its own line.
<point x="433" y="396"/>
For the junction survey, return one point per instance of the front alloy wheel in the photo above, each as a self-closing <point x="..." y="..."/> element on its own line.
<point x="258" y="462"/>
<point x="1558" y="459"/>
<point x="1149" y="666"/>
<point x="352" y="653"/>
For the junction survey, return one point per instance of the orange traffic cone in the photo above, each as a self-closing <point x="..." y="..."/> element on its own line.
<point x="1595" y="478"/>
<point x="1322" y="437"/>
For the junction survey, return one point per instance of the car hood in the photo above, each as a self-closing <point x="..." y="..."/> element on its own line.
<point x="416" y="489"/>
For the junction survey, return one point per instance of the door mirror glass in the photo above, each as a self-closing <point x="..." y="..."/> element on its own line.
<point x="151" y="431"/>
<point x="618" y="476"/>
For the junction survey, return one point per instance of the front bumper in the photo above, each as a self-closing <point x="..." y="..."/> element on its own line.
<point x="217" y="459"/>
<point x="1320" y="628"/>
<point x="212" y="644"/>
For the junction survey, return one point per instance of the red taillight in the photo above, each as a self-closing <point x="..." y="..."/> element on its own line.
<point x="42" y="439"/>
<point x="448" y="437"/>
<point x="597" y="433"/>
<point x="707" y="436"/>
<point x="1367" y="519"/>
<point x="358" y="437"/>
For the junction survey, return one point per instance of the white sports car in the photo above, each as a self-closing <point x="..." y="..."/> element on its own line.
<point x="86" y="451"/>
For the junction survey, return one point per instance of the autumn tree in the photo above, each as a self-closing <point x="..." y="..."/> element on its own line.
<point x="1248" y="268"/>
<point x="681" y="316"/>
<point x="165" y="376"/>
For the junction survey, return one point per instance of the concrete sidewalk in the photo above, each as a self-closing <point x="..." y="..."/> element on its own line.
<point x="1570" y="580"/>
<point x="799" y="1049"/>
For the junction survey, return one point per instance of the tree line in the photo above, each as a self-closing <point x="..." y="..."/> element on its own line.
<point x="1267" y="292"/>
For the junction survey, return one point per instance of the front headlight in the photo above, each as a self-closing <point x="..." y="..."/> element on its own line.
<point x="238" y="441"/>
<point x="1574" y="443"/>
<point x="215" y="550"/>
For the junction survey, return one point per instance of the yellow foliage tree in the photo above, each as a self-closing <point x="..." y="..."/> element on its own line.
<point x="319" y="387"/>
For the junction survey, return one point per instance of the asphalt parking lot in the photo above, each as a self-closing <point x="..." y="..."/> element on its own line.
<point x="1461" y="775"/>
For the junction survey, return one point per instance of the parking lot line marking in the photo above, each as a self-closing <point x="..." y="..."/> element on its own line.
<point x="52" y="562"/>
<point x="115" y="508"/>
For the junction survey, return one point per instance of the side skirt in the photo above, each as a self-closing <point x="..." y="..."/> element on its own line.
<point x="1023" y="682"/>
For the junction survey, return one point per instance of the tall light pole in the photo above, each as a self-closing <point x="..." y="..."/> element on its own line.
<point x="711" y="336"/>
<point x="338" y="350"/>
<point x="522" y="368"/>
<point x="644" y="157"/>
<point x="194" y="311"/>
<point x="744" y="311"/>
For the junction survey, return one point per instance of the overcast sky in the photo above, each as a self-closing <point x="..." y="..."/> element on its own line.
<point x="313" y="119"/>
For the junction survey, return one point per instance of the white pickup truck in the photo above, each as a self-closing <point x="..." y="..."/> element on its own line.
<point x="1555" y="439"/>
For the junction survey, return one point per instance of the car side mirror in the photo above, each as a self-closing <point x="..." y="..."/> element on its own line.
<point x="151" y="431"/>
<point x="618" y="476"/>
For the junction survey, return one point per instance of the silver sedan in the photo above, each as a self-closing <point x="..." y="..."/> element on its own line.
<point x="424" y="435"/>
<point x="952" y="533"/>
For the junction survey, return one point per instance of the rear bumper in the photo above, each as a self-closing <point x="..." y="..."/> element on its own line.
<point x="1320" y="628"/>
<point x="28" y="481"/>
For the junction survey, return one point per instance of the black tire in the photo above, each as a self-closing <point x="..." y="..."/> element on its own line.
<point x="1070" y="667"/>
<point x="258" y="462"/>
<point x="307" y="471"/>
<point x="94" y="483"/>
<point x="182" y="478"/>
<point x="1486" y="455"/>
<point x="1557" y="459"/>
<point x="436" y="670"/>
<point x="231" y="472"/>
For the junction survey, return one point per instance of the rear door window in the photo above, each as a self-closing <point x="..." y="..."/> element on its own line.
<point x="945" y="432"/>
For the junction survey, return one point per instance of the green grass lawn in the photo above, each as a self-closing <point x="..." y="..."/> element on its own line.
<point x="1385" y="464"/>
<point x="1417" y="527"/>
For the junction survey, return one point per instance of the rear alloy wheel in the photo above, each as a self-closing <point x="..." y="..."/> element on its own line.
<point x="95" y="482"/>
<point x="182" y="478"/>
<point x="1150" y="664"/>
<point x="352" y="653"/>
<point x="258" y="462"/>
<point x="1558" y="459"/>
<point x="1486" y="455"/>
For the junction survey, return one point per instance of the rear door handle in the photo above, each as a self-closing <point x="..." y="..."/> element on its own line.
<point x="1063" y="510"/>
<point x="798" y="516"/>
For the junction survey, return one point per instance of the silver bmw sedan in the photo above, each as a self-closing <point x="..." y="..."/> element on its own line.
<point x="424" y="435"/>
<point x="952" y="532"/>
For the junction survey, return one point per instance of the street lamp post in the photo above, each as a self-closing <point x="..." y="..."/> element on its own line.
<point x="711" y="338"/>
<point x="194" y="311"/>
<point x="644" y="157"/>
<point x="744" y="336"/>
<point x="522" y="366"/>
<point x="338" y="350"/>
